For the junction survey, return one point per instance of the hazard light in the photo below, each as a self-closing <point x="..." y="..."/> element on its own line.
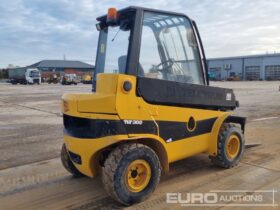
<point x="112" y="16"/>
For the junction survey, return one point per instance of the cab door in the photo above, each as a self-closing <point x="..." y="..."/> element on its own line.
<point x="170" y="70"/>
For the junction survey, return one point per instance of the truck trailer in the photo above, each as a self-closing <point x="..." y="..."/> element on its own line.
<point x="25" y="76"/>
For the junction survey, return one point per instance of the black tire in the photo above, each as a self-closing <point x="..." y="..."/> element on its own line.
<point x="115" y="167"/>
<point x="222" y="159"/>
<point x="67" y="163"/>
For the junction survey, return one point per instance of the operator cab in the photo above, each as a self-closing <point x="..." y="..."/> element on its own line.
<point x="167" y="49"/>
<point x="163" y="51"/>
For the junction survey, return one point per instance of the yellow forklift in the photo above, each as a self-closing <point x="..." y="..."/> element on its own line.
<point x="151" y="105"/>
<point x="87" y="79"/>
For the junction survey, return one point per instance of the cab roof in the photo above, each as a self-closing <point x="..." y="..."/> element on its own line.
<point x="135" y="8"/>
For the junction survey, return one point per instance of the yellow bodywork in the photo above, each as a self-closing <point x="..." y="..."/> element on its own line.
<point x="112" y="102"/>
<point x="87" y="77"/>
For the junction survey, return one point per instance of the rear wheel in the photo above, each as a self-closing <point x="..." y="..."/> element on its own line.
<point x="231" y="146"/>
<point x="67" y="163"/>
<point x="131" y="173"/>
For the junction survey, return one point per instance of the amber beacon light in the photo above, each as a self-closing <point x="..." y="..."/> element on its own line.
<point x="112" y="15"/>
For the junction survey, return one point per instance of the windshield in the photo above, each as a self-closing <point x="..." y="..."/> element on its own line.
<point x="34" y="74"/>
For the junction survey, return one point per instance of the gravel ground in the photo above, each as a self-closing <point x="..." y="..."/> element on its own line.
<point x="31" y="175"/>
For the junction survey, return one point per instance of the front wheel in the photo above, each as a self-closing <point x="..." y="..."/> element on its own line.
<point x="231" y="145"/>
<point x="131" y="173"/>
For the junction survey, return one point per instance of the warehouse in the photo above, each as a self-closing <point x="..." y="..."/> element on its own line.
<point x="52" y="69"/>
<point x="67" y="66"/>
<point x="252" y="67"/>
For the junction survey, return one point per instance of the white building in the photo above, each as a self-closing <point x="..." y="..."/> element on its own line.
<point x="253" y="67"/>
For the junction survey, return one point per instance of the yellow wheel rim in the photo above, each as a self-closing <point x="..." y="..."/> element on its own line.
<point x="233" y="147"/>
<point x="137" y="175"/>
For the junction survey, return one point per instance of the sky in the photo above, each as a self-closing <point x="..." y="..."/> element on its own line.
<point x="33" y="30"/>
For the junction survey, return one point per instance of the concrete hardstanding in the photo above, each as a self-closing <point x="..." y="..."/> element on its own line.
<point x="32" y="176"/>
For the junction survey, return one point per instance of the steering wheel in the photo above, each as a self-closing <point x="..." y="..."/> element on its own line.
<point x="170" y="61"/>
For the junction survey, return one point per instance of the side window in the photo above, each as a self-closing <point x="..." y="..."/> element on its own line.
<point x="149" y="55"/>
<point x="116" y="50"/>
<point x="169" y="50"/>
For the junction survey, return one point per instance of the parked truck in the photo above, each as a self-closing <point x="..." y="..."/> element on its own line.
<point x="25" y="76"/>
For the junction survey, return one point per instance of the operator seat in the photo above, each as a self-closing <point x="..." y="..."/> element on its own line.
<point x="122" y="64"/>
